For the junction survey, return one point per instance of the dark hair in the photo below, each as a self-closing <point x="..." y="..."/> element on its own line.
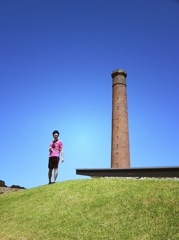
<point x="55" y="132"/>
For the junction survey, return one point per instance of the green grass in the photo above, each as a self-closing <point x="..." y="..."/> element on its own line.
<point x="92" y="209"/>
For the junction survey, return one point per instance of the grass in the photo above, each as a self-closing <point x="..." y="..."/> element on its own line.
<point x="92" y="209"/>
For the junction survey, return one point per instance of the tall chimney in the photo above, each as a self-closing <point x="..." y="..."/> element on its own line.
<point x="120" y="156"/>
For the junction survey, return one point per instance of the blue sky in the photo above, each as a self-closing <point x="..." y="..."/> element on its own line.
<point x="56" y="60"/>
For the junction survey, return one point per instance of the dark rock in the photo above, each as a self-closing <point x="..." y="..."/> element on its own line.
<point x="2" y="183"/>
<point x="17" y="186"/>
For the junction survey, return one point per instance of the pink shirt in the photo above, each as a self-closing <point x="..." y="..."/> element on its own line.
<point x="56" y="148"/>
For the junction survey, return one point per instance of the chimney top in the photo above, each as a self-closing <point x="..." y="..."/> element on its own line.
<point x="119" y="72"/>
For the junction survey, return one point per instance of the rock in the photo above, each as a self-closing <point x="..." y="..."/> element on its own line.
<point x="2" y="183"/>
<point x="17" y="186"/>
<point x="5" y="189"/>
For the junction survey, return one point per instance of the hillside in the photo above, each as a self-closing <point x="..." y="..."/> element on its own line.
<point x="103" y="208"/>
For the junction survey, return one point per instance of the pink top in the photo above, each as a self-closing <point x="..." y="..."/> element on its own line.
<point x="56" y="148"/>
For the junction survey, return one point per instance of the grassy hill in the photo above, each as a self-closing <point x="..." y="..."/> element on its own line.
<point x="92" y="209"/>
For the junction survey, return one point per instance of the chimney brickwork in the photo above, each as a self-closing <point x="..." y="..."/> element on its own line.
<point x="120" y="155"/>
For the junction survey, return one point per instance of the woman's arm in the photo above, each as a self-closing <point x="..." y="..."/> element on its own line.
<point x="62" y="155"/>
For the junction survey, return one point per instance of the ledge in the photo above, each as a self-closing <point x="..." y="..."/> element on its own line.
<point x="153" y="172"/>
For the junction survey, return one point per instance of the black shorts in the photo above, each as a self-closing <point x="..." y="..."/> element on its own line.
<point x="53" y="162"/>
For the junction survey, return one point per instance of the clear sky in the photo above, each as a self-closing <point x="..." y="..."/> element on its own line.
<point x="56" y="60"/>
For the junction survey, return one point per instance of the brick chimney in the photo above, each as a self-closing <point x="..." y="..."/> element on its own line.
<point x="120" y="155"/>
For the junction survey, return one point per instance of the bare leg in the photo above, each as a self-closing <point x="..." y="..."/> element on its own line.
<point x="49" y="175"/>
<point x="55" y="174"/>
